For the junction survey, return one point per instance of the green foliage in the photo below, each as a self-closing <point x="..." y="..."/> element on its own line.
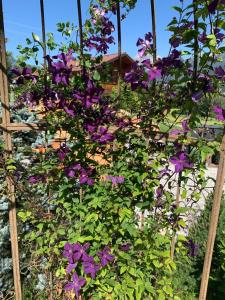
<point x="188" y="275"/>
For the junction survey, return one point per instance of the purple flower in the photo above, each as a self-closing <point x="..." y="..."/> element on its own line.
<point x="159" y="191"/>
<point x="115" y="179"/>
<point x="70" y="267"/>
<point x="61" y="70"/>
<point x="24" y="74"/>
<point x="164" y="172"/>
<point x="144" y="44"/>
<point x="76" y="285"/>
<point x="80" y="251"/>
<point x="181" y="162"/>
<point x="219" y="35"/>
<point x="34" y="179"/>
<point x="154" y="73"/>
<point x="197" y="96"/>
<point x="29" y="98"/>
<point x="135" y="77"/>
<point x="220" y="113"/>
<point x="70" y="172"/>
<point x="213" y="5"/>
<point x="90" y="267"/>
<point x="103" y="136"/>
<point x="69" y="252"/>
<point x="175" y="42"/>
<point x="202" y="37"/>
<point x="105" y="256"/>
<point x="90" y="96"/>
<point x="62" y="152"/>
<point x="125" y="247"/>
<point x="220" y="73"/>
<point x="192" y="248"/>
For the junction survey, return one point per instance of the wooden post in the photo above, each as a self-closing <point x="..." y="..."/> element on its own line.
<point x="213" y="222"/>
<point x="8" y="154"/>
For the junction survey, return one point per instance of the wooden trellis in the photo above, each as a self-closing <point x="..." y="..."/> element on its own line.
<point x="8" y="128"/>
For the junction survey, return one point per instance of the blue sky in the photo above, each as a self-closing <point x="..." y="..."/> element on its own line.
<point x="23" y="17"/>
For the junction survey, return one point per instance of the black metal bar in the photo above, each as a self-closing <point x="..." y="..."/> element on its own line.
<point x="154" y="30"/>
<point x="43" y="31"/>
<point x="119" y="37"/>
<point x="196" y="46"/>
<point x="81" y="37"/>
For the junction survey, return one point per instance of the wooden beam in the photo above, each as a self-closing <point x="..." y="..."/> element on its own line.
<point x="20" y="127"/>
<point x="8" y="154"/>
<point x="213" y="222"/>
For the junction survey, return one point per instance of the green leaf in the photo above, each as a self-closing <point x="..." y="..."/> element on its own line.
<point x="96" y="75"/>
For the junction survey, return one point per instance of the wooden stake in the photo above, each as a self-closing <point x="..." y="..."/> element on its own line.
<point x="213" y="222"/>
<point x="8" y="154"/>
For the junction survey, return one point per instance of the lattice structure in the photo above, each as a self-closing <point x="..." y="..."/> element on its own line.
<point x="8" y="128"/>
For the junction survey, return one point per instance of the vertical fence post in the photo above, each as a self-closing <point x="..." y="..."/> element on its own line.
<point x="119" y="40"/>
<point x="8" y="154"/>
<point x="154" y="30"/>
<point x="81" y="37"/>
<point x="43" y="31"/>
<point x="213" y="222"/>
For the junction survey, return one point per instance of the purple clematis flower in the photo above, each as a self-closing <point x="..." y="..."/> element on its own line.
<point x="103" y="136"/>
<point x="70" y="267"/>
<point x="91" y="95"/>
<point x="135" y="77"/>
<point x="175" y="42"/>
<point x="154" y="73"/>
<point x="24" y="74"/>
<point x="69" y="252"/>
<point x="159" y="191"/>
<point x="115" y="179"/>
<point x="76" y="285"/>
<point x="62" y="152"/>
<point x="144" y="44"/>
<point x="80" y="251"/>
<point x="62" y="69"/>
<point x="34" y="179"/>
<point x="90" y="267"/>
<point x="181" y="162"/>
<point x="192" y="248"/>
<point x="220" y="73"/>
<point x="202" y="37"/>
<point x="164" y="172"/>
<point x="197" y="96"/>
<point x="213" y="5"/>
<point x="220" y="113"/>
<point x="125" y="247"/>
<point x="105" y="256"/>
